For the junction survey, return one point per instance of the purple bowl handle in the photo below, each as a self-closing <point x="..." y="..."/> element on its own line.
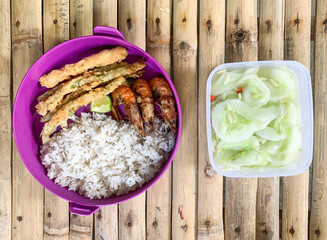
<point x="82" y="209"/>
<point x="109" y="31"/>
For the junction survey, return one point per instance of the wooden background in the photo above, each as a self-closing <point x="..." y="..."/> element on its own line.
<point x="188" y="38"/>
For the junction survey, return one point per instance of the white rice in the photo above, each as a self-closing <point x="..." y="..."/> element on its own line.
<point x="99" y="157"/>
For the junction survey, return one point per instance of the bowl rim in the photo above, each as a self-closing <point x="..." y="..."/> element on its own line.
<point x="129" y="195"/>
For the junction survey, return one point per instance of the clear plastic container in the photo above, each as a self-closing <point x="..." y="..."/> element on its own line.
<point x="306" y="108"/>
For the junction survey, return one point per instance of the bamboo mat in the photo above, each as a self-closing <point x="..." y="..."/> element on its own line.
<point x="188" y="38"/>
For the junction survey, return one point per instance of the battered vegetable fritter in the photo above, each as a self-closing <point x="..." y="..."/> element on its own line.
<point x="103" y="58"/>
<point x="66" y="111"/>
<point x="87" y="81"/>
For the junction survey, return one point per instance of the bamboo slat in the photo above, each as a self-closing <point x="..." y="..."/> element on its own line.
<point x="80" y="24"/>
<point x="158" y="215"/>
<point x="271" y="47"/>
<point x="271" y="30"/>
<point x="56" y="30"/>
<point x="295" y="189"/>
<point x="81" y="227"/>
<point x="55" y="22"/>
<point x="106" y="223"/>
<point x="211" y="54"/>
<point x="158" y="32"/>
<point x="106" y="219"/>
<point x="241" y="31"/>
<point x="131" y="23"/>
<point x="184" y="210"/>
<point x="56" y="217"/>
<point x="158" y="46"/>
<point x="241" y="45"/>
<point x="105" y="13"/>
<point x="318" y="216"/>
<point x="27" y="193"/>
<point x="81" y="18"/>
<point x="5" y="120"/>
<point x="267" y="219"/>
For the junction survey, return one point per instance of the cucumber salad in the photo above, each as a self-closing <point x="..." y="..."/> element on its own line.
<point x="255" y="118"/>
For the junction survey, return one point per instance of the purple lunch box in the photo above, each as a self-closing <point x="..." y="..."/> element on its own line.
<point x="26" y="122"/>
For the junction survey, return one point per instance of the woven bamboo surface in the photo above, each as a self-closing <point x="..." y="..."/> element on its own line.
<point x="188" y="38"/>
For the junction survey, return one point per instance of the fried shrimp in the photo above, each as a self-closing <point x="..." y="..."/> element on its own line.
<point x="164" y="98"/>
<point x="145" y="99"/>
<point x="66" y="111"/>
<point x="125" y="95"/>
<point x="103" y="58"/>
<point x="54" y="97"/>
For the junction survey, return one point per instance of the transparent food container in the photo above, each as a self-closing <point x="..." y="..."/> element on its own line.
<point x="306" y="111"/>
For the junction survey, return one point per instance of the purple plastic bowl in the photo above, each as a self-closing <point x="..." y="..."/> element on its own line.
<point x="26" y="122"/>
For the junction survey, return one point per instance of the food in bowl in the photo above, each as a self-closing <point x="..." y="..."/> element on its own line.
<point x="99" y="155"/>
<point x="103" y="58"/>
<point x="255" y="118"/>
<point x="103" y="105"/>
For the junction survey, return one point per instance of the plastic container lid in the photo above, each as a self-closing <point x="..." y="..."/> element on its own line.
<point x="306" y="111"/>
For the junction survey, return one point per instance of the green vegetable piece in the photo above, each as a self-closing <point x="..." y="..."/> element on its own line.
<point x="279" y="81"/>
<point x="251" y="143"/>
<point x="265" y="115"/>
<point x="232" y="121"/>
<point x="226" y="82"/>
<point x="256" y="93"/>
<point x="224" y="96"/>
<point x="271" y="134"/>
<point x="236" y="159"/>
<point x="290" y="149"/>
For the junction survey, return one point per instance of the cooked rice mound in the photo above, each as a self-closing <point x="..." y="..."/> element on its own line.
<point x="100" y="157"/>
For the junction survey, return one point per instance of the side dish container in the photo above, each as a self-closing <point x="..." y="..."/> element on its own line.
<point x="306" y="111"/>
<point x="26" y="122"/>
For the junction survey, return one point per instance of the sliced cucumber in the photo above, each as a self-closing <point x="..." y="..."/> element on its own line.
<point x="264" y="159"/>
<point x="226" y="82"/>
<point x="292" y="146"/>
<point x="232" y="121"/>
<point x="290" y="149"/>
<point x="214" y="139"/>
<point x="245" y="71"/>
<point x="224" y="96"/>
<point x="291" y="114"/>
<point x="265" y="115"/>
<point x="237" y="159"/>
<point x="250" y="70"/>
<point x="272" y="147"/>
<point x="279" y="81"/>
<point x="237" y="71"/>
<point x="216" y="76"/>
<point x="256" y="93"/>
<point x="252" y="142"/>
<point x="271" y="134"/>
